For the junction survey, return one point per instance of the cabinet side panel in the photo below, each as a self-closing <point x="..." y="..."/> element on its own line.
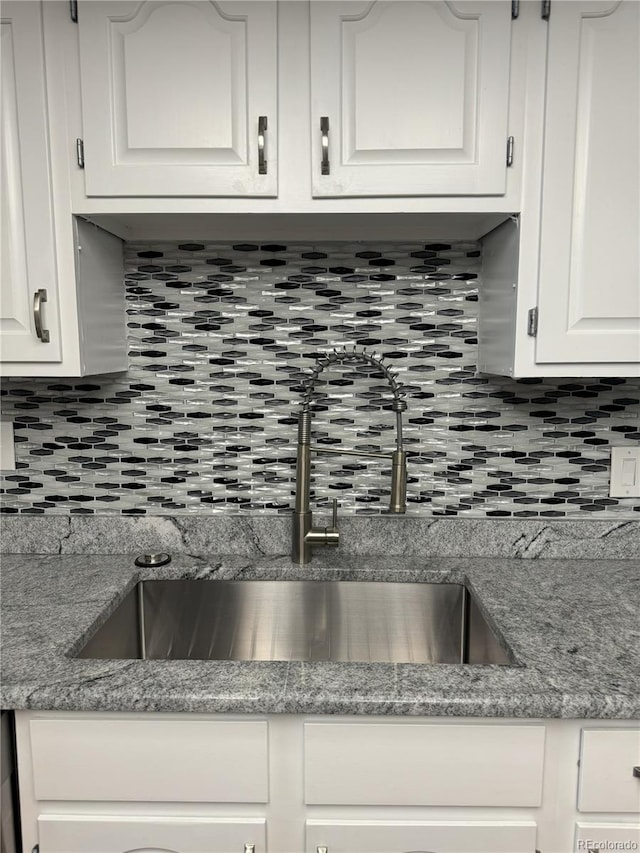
<point x="498" y="300"/>
<point x="101" y="302"/>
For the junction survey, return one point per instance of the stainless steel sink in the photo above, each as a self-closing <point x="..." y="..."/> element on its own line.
<point x="298" y="620"/>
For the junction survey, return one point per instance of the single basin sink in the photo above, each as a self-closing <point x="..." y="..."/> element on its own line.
<point x="298" y="620"/>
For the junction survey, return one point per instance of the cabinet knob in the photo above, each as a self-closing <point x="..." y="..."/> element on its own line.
<point x="249" y="848"/>
<point x="325" y="168"/>
<point x="322" y="850"/>
<point x="262" y="138"/>
<point x="636" y="772"/>
<point x="39" y="297"/>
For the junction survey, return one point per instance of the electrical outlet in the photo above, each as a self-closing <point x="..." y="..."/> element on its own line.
<point x="7" y="447"/>
<point x="625" y="472"/>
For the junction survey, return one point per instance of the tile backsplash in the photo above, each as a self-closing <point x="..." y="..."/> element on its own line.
<point x="220" y="339"/>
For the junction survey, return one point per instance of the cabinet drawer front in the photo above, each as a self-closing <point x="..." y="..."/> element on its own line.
<point x="392" y="764"/>
<point x="607" y="759"/>
<point x="150" y="760"/>
<point x="398" y="836"/>
<point x="593" y="837"/>
<point x="106" y="834"/>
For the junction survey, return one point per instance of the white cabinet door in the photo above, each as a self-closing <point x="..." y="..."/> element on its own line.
<point x="172" y="95"/>
<point x="89" y="758"/>
<point x="593" y="837"/>
<point x="607" y="780"/>
<point x="415" y="94"/>
<point x="28" y="255"/>
<point x="589" y="298"/>
<point x="402" y="836"/>
<point x="405" y="764"/>
<point x="149" y="834"/>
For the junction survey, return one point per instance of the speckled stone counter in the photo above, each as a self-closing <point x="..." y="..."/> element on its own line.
<point x="270" y="536"/>
<point x="573" y="627"/>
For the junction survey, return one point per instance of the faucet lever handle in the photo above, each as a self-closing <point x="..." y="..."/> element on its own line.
<point x="334" y="522"/>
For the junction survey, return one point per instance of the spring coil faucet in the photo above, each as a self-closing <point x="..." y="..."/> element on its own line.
<point x="305" y="535"/>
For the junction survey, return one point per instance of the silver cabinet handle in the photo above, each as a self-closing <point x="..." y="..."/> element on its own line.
<point x="262" y="163"/>
<point x="250" y="848"/>
<point x="636" y="772"/>
<point x="39" y="297"/>
<point x="322" y="850"/>
<point x="325" y="168"/>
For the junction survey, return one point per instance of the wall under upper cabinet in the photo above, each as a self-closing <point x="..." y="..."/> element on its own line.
<point x="220" y="337"/>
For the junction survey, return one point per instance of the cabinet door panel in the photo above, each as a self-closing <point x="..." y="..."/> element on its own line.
<point x="423" y="765"/>
<point x="171" y="94"/>
<point x="405" y="87"/>
<point x="359" y="836"/>
<point x="607" y="759"/>
<point x="199" y="760"/>
<point x="119" y="834"/>
<point x="590" y="239"/>
<point x="28" y="256"/>
<point x="593" y="837"/>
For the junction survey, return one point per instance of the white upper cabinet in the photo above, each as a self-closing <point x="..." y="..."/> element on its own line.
<point x="29" y="310"/>
<point x="61" y="286"/>
<point x="409" y="98"/>
<point x="179" y="98"/>
<point x="589" y="298"/>
<point x="561" y="289"/>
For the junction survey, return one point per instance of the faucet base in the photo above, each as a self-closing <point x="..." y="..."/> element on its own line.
<point x="300" y="548"/>
<point x="305" y="537"/>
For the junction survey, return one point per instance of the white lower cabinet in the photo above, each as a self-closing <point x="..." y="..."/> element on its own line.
<point x="593" y="837"/>
<point x="473" y="836"/>
<point x="608" y="762"/>
<point x="112" y="782"/>
<point x="150" y="834"/>
<point x="423" y="765"/>
<point x="150" y="760"/>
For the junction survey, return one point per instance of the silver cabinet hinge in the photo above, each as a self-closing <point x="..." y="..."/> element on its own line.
<point x="515" y="8"/>
<point x="80" y="153"/>
<point x="510" y="151"/>
<point x="73" y="10"/>
<point x="546" y="10"/>
<point x="532" y="322"/>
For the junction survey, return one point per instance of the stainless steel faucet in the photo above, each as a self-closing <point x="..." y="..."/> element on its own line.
<point x="305" y="535"/>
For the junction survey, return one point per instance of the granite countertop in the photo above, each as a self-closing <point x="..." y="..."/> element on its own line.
<point x="572" y="625"/>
